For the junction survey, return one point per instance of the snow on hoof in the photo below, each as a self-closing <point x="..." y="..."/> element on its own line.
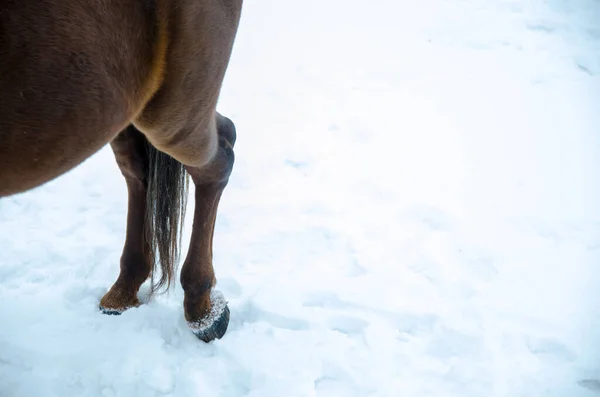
<point x="110" y="311"/>
<point x="214" y="324"/>
<point x="117" y="300"/>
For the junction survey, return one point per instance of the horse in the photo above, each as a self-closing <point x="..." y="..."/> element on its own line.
<point x="143" y="76"/>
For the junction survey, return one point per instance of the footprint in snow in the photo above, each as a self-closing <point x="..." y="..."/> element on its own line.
<point x="590" y="384"/>
<point x="550" y="347"/>
<point x="335" y="381"/>
<point x="252" y="313"/>
<point x="406" y="322"/>
<point x="350" y="326"/>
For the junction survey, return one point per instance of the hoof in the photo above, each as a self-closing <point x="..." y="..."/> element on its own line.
<point x="117" y="300"/>
<point x="214" y="324"/>
<point x="109" y="311"/>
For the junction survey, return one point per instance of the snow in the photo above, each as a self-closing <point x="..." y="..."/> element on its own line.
<point x="413" y="212"/>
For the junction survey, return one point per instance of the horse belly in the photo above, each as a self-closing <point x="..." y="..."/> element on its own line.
<point x="71" y="78"/>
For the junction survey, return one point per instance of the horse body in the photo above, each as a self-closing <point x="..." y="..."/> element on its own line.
<point x="143" y="76"/>
<point x="72" y="75"/>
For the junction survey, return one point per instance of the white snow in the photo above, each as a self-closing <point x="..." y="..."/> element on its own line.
<point x="414" y="211"/>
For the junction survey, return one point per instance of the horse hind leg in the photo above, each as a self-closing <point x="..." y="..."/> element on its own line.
<point x="181" y="121"/>
<point x="205" y="308"/>
<point x="157" y="196"/>
<point x="131" y="155"/>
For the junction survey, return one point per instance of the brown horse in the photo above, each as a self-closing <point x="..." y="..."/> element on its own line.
<point x="144" y="76"/>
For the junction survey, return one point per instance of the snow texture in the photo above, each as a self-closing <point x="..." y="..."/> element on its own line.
<point x="413" y="212"/>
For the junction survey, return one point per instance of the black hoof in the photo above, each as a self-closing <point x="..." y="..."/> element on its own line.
<point x="215" y="330"/>
<point x="214" y="323"/>
<point x="110" y="312"/>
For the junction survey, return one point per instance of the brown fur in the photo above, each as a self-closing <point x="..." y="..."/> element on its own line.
<point x="144" y="76"/>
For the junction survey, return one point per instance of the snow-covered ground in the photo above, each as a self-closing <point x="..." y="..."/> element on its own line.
<point x="414" y="211"/>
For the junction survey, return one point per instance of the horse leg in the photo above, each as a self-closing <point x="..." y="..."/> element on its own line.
<point x="205" y="309"/>
<point x="181" y="121"/>
<point x="130" y="153"/>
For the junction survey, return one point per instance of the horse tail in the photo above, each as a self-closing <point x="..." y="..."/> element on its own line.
<point x="166" y="201"/>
